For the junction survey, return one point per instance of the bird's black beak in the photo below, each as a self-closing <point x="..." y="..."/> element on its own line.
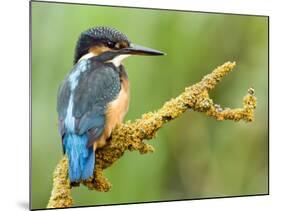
<point x="134" y="49"/>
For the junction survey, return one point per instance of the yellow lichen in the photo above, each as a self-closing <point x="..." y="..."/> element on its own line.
<point x="130" y="136"/>
<point x="60" y="196"/>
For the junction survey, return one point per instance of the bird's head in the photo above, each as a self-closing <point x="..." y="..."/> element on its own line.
<point x="113" y="45"/>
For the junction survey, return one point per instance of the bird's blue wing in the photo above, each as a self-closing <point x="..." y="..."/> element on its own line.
<point x="62" y="104"/>
<point x="97" y="86"/>
<point x="82" y="103"/>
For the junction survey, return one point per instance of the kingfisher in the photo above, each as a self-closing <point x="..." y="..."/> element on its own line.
<point x="94" y="96"/>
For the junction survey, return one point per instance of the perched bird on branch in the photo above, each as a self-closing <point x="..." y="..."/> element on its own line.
<point x="94" y="96"/>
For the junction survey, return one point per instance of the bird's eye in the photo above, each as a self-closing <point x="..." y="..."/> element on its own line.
<point x="110" y="44"/>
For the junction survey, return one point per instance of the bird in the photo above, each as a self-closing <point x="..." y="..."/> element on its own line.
<point x="94" y="96"/>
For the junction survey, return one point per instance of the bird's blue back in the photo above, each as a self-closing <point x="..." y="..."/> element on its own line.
<point x="82" y="102"/>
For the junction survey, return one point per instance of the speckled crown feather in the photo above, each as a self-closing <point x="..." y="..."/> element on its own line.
<point x="103" y="32"/>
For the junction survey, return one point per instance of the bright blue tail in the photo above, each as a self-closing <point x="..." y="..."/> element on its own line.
<point x="81" y="159"/>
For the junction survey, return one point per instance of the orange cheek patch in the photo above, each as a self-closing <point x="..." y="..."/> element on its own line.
<point x="97" y="50"/>
<point x="122" y="44"/>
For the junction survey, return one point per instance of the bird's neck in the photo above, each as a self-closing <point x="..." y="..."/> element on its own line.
<point x="122" y="72"/>
<point x="117" y="61"/>
<point x="87" y="56"/>
<point x="106" y="57"/>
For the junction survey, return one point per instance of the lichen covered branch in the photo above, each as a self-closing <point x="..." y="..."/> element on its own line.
<point x="130" y="136"/>
<point x="60" y="196"/>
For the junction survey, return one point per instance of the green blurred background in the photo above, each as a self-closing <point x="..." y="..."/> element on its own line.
<point x="196" y="156"/>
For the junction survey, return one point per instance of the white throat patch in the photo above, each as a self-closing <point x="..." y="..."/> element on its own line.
<point x="87" y="56"/>
<point x="118" y="59"/>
